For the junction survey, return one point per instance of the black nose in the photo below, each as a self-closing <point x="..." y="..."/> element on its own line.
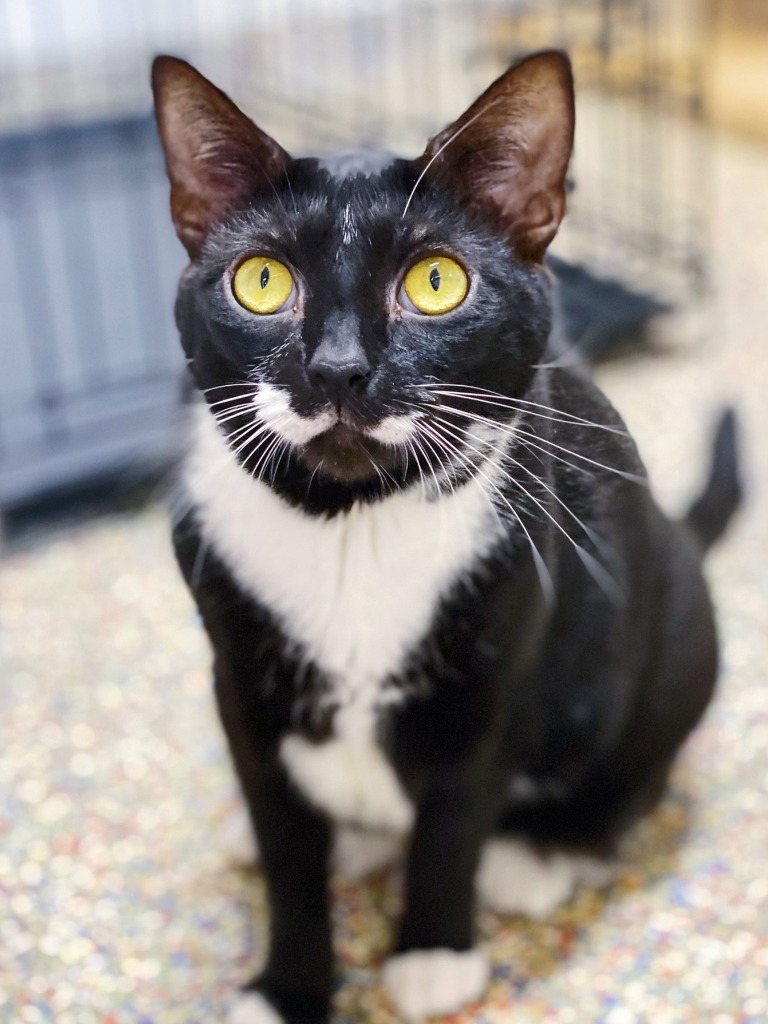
<point x="339" y="366"/>
<point x="336" y="378"/>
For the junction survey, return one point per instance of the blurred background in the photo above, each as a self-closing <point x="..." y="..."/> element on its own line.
<point x="119" y="902"/>
<point x="88" y="259"/>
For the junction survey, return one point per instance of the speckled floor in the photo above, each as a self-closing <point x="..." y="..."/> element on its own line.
<point x="118" y="902"/>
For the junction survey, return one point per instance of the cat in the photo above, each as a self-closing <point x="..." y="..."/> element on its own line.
<point x="446" y="614"/>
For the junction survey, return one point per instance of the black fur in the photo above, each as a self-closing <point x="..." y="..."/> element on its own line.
<point x="491" y="342"/>
<point x="589" y="693"/>
<point x="710" y="513"/>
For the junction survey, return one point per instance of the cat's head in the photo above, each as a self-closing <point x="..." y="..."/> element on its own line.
<point x="328" y="303"/>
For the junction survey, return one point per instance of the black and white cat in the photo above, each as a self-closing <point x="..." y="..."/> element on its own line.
<point x="446" y="614"/>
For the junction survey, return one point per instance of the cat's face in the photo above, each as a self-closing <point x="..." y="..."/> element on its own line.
<point x="323" y="296"/>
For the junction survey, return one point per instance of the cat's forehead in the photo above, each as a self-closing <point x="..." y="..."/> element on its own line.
<point x="351" y="204"/>
<point x="363" y="163"/>
<point x="368" y="190"/>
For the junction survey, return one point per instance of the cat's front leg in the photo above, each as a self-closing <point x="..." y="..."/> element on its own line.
<point x="436" y="968"/>
<point x="294" y="845"/>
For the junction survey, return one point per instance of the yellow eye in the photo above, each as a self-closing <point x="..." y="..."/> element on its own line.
<point x="436" y="285"/>
<point x="262" y="284"/>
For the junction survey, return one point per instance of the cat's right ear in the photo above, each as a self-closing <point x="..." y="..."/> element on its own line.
<point x="508" y="154"/>
<point x="216" y="156"/>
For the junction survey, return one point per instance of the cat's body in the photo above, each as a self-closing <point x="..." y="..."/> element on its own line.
<point x="444" y="607"/>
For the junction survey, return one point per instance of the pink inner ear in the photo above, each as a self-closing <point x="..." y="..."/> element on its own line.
<point x="216" y="156"/>
<point x="508" y="154"/>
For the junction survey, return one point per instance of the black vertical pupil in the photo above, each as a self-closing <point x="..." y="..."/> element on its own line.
<point x="264" y="277"/>
<point x="434" y="278"/>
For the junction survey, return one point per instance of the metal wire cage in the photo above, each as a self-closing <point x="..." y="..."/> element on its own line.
<point x="88" y="261"/>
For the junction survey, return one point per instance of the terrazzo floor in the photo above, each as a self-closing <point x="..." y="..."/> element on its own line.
<point x="118" y="901"/>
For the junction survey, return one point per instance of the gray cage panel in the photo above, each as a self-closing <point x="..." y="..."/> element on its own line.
<point x="88" y="266"/>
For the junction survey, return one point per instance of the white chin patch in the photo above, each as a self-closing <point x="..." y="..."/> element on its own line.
<point x="273" y="406"/>
<point x="394" y="429"/>
<point x="432" y="982"/>
<point x="252" y="1008"/>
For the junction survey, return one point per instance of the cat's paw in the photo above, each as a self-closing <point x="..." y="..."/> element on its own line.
<point x="253" y="1008"/>
<point x="514" y="879"/>
<point x="431" y="982"/>
<point x="357" y="854"/>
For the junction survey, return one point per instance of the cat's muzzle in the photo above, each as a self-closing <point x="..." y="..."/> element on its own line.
<point x="347" y="454"/>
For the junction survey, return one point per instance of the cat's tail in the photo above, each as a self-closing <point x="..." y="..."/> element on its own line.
<point x="709" y="515"/>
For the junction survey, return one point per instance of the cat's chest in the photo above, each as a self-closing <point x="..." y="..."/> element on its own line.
<point x="356" y="592"/>
<point x="348" y="776"/>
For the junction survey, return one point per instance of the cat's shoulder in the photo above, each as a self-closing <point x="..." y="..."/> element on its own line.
<point x="574" y="391"/>
<point x="590" y="418"/>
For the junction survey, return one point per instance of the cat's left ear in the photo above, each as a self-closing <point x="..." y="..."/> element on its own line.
<point x="216" y="156"/>
<point x="508" y="154"/>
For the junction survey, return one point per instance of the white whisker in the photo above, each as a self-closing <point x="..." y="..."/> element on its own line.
<point x="436" y="449"/>
<point x="598" y="572"/>
<point x="418" y="445"/>
<point x="229" y="400"/>
<point x="632" y="477"/>
<point x="520" y="433"/>
<point x="312" y="475"/>
<point x="252" y="430"/>
<point x="233" y="414"/>
<point x="221" y="387"/>
<point x="271" y="446"/>
<point x="504" y="401"/>
<point x="430" y="464"/>
<point x="375" y="467"/>
<point x="444" y="146"/>
<point x="545" y="578"/>
<point x="259" y="432"/>
<point x="278" y="458"/>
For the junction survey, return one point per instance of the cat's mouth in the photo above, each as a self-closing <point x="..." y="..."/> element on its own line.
<point x="346" y="453"/>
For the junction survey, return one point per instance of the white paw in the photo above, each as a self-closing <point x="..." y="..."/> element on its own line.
<point x="237" y="838"/>
<point x="357" y="853"/>
<point x="513" y="879"/>
<point x="429" y="983"/>
<point x="252" y="1008"/>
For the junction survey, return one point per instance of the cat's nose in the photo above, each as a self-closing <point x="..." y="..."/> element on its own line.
<point x="340" y="367"/>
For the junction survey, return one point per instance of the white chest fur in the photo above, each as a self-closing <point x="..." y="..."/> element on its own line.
<point x="355" y="593"/>
<point x="348" y="776"/>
